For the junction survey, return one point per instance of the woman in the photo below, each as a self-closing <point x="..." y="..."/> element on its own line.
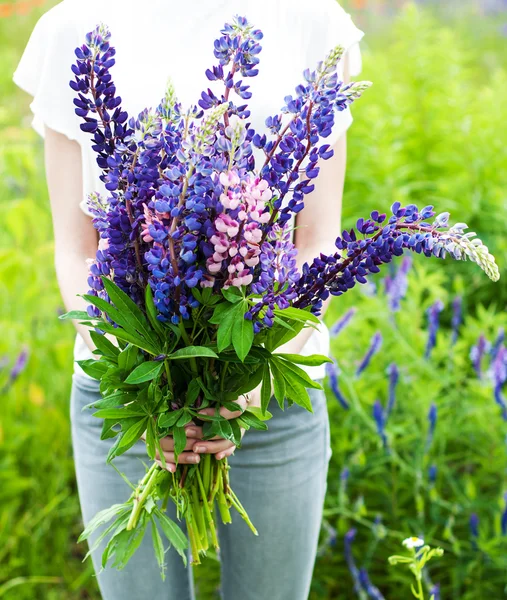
<point x="279" y="475"/>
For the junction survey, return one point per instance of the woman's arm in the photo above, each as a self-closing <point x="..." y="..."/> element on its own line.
<point x="74" y="234"/>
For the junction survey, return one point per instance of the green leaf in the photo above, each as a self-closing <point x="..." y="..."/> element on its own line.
<point x="233" y="406"/>
<point x="173" y="533"/>
<point x="256" y="410"/>
<point x="242" y="331"/>
<point x="225" y="327"/>
<point x="296" y="314"/>
<point x="80" y="315"/>
<point x="103" y="344"/>
<point x="119" y="413"/>
<point x="185" y="418"/>
<point x="232" y="294"/>
<point x="151" y="446"/>
<point x="146" y="371"/>
<point x="114" y="400"/>
<point x="298" y="394"/>
<point x="128" y="357"/>
<point x="151" y="311"/>
<point x="291" y="370"/>
<point x="313" y="360"/>
<point x="252" y="421"/>
<point x="180" y="440"/>
<point x="108" y="430"/>
<point x="193" y="389"/>
<point x="99" y="519"/>
<point x="93" y="368"/>
<point x="236" y="432"/>
<point x="125" y="336"/>
<point x="221" y="311"/>
<point x="265" y="389"/>
<point x="132" y="435"/>
<point x="158" y="548"/>
<point x="129" y="308"/>
<point x="170" y="418"/>
<point x="128" y="543"/>
<point x="278" y="384"/>
<point x="192" y="352"/>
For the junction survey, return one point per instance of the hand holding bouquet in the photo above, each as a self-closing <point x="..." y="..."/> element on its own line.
<point x="195" y="277"/>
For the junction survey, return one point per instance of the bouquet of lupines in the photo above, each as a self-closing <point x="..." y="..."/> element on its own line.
<point x="195" y="277"/>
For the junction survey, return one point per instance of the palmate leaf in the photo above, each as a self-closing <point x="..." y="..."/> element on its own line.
<point x="287" y="368"/>
<point x="173" y="533"/>
<point x="114" y="400"/>
<point x="297" y="392"/>
<point x="158" y="548"/>
<point x="93" y="368"/>
<point x="180" y="440"/>
<point x="99" y="519"/>
<point x="104" y="345"/>
<point x="134" y="339"/>
<point x="242" y="331"/>
<point x="146" y="371"/>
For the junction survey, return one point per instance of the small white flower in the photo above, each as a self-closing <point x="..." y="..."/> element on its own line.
<point x="413" y="542"/>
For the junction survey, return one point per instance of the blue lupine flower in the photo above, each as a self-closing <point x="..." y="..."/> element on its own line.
<point x="432" y="419"/>
<point x="477" y="353"/>
<point x="499" y="340"/>
<point x="375" y="344"/>
<point x="499" y="372"/>
<point x="474" y="529"/>
<point x="394" y="374"/>
<point x="333" y="371"/>
<point x="380" y="420"/>
<point x="504" y="517"/>
<point x="435" y="591"/>
<point x="17" y="369"/>
<point x="396" y="286"/>
<point x="433" y="323"/>
<point x="368" y="587"/>
<point x="342" y="322"/>
<point x="457" y="317"/>
<point x="344" y="478"/>
<point x="349" y="559"/>
<point x="432" y="474"/>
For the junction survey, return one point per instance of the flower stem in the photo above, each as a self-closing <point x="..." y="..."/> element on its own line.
<point x="139" y="500"/>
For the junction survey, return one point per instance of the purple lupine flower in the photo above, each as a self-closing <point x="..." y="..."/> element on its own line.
<point x="433" y="313"/>
<point x="375" y="344"/>
<point x="432" y="419"/>
<point x="457" y="317"/>
<point x="342" y="322"/>
<point x="499" y="340"/>
<point x="344" y="478"/>
<point x="499" y="372"/>
<point x="394" y="374"/>
<point x="368" y="587"/>
<point x="435" y="591"/>
<point x="477" y="353"/>
<point x="378" y="243"/>
<point x="432" y="474"/>
<point x="349" y="559"/>
<point x="333" y="371"/>
<point x="380" y="420"/>
<point x="503" y="521"/>
<point x="17" y="369"/>
<point x="474" y="529"/>
<point x="396" y="286"/>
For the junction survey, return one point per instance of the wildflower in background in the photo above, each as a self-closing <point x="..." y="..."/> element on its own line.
<point x="477" y="353"/>
<point x="342" y="322"/>
<point x="344" y="478"/>
<point x="435" y="592"/>
<point x="474" y="529"/>
<point x="332" y="371"/>
<point x="17" y="369"/>
<point x="368" y="587"/>
<point x="375" y="344"/>
<point x="433" y="323"/>
<point x="380" y="420"/>
<point x="503" y="520"/>
<point x="413" y="542"/>
<point x="499" y="340"/>
<point x="349" y="559"/>
<point x="432" y="474"/>
<point x="396" y="286"/>
<point x="394" y="374"/>
<point x="457" y="317"/>
<point x="432" y="418"/>
<point x="499" y="373"/>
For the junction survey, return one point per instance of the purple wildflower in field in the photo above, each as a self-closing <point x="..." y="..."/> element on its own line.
<point x="499" y="372"/>
<point x="433" y="313"/>
<point x="432" y="422"/>
<point x="432" y="474"/>
<point x="333" y="372"/>
<point x="396" y="286"/>
<point x="435" y="592"/>
<point x="342" y="322"/>
<point x="372" y="591"/>
<point x="375" y="344"/>
<point x="457" y="317"/>
<point x="344" y="479"/>
<point x="503" y="520"/>
<point x="474" y="528"/>
<point x="380" y="419"/>
<point x="496" y="345"/>
<point x="477" y="353"/>
<point x="349" y="559"/>
<point x="394" y="375"/>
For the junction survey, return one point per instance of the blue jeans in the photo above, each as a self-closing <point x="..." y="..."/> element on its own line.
<point x="280" y="477"/>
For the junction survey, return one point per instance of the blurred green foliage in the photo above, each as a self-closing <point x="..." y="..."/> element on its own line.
<point x="427" y="132"/>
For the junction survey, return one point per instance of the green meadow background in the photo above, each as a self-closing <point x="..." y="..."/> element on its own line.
<point x="430" y="131"/>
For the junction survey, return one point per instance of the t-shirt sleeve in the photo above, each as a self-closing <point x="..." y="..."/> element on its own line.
<point x="44" y="72"/>
<point x="331" y="26"/>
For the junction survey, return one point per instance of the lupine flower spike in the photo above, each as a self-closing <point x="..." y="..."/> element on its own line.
<point x="477" y="353"/>
<point x="394" y="375"/>
<point x="342" y="322"/>
<point x="457" y="317"/>
<point x="375" y="344"/>
<point x="333" y="372"/>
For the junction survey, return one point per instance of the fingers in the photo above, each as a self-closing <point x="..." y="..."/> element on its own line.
<point x="225" y="413"/>
<point x="185" y="458"/>
<point x="220" y="448"/>
<point x="167" y="443"/>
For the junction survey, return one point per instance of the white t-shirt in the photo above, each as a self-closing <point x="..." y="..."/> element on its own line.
<point x="158" y="39"/>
